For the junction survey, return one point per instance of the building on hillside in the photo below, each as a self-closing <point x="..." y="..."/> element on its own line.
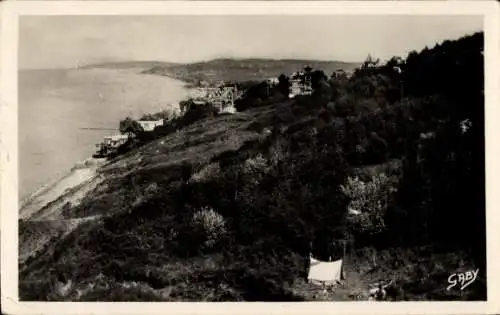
<point x="228" y="110"/>
<point x="115" y="140"/>
<point x="220" y="97"/>
<point x="199" y="101"/>
<point x="300" y="84"/>
<point x="110" y="144"/>
<point x="150" y="125"/>
<point x="273" y="81"/>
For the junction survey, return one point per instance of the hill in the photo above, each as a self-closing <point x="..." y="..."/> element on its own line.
<point x="238" y="70"/>
<point x="216" y="207"/>
<point x="129" y="65"/>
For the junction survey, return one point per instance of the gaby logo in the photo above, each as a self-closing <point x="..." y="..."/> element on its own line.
<point x="463" y="279"/>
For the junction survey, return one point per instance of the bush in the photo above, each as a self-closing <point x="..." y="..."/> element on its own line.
<point x="256" y="164"/>
<point x="211" y="224"/>
<point x="195" y="112"/>
<point x="371" y="199"/>
<point x="208" y="172"/>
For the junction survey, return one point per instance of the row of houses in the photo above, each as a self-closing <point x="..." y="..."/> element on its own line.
<point x="221" y="96"/>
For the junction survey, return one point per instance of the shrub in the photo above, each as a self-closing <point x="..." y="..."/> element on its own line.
<point x="371" y="199"/>
<point x="256" y="164"/>
<point x="128" y="125"/>
<point x="195" y="112"/>
<point x="208" y="172"/>
<point x="167" y="114"/>
<point x="211" y="223"/>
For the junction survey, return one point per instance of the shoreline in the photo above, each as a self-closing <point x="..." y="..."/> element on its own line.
<point x="46" y="138"/>
<point x="80" y="173"/>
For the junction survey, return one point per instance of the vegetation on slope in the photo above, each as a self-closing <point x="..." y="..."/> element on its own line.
<point x="223" y="211"/>
<point x="240" y="70"/>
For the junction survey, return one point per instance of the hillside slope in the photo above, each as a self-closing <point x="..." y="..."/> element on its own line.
<point x="230" y="207"/>
<point x="124" y="184"/>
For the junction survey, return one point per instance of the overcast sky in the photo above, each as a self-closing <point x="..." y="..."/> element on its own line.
<point x="65" y="41"/>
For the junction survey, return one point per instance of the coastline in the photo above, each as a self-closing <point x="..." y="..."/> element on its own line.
<point x="82" y="172"/>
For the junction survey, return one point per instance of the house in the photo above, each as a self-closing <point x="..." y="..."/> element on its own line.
<point x="111" y="144"/>
<point x="220" y="97"/>
<point x="273" y="81"/>
<point x="115" y="140"/>
<point x="150" y="125"/>
<point x="228" y="110"/>
<point x="300" y="84"/>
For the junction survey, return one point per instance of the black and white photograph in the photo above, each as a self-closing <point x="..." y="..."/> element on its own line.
<point x="250" y="157"/>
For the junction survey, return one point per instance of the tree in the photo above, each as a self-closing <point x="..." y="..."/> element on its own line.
<point x="284" y="85"/>
<point x="185" y="105"/>
<point x="210" y="224"/>
<point x="318" y="77"/>
<point x="369" y="202"/>
<point x="130" y="126"/>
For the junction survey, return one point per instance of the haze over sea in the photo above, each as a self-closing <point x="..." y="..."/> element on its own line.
<point x="54" y="106"/>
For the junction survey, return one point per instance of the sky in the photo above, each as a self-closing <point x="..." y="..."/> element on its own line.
<point x="66" y="41"/>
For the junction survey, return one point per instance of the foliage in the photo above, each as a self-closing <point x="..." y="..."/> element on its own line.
<point x="283" y="85"/>
<point x="128" y="125"/>
<point x="194" y="112"/>
<point x="164" y="114"/>
<point x="261" y="94"/>
<point x="371" y="199"/>
<point x="211" y="223"/>
<point x="206" y="173"/>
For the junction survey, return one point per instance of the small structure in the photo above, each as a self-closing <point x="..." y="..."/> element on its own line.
<point x="300" y="84"/>
<point x="150" y="125"/>
<point x="273" y="81"/>
<point x="228" y="110"/>
<point x="111" y="143"/>
<point x="325" y="273"/>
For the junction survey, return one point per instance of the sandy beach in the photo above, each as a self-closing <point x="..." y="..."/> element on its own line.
<point x="39" y="203"/>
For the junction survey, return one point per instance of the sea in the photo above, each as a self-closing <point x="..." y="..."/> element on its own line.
<point x="64" y="113"/>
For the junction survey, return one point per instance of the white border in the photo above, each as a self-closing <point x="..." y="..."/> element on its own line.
<point x="9" y="162"/>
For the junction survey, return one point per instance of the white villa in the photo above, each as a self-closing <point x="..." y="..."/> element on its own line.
<point x="115" y="140"/>
<point x="222" y="97"/>
<point x="111" y="144"/>
<point x="273" y="81"/>
<point x="150" y="125"/>
<point x="300" y="84"/>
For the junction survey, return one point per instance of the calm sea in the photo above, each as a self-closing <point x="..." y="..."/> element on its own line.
<point x="54" y="106"/>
